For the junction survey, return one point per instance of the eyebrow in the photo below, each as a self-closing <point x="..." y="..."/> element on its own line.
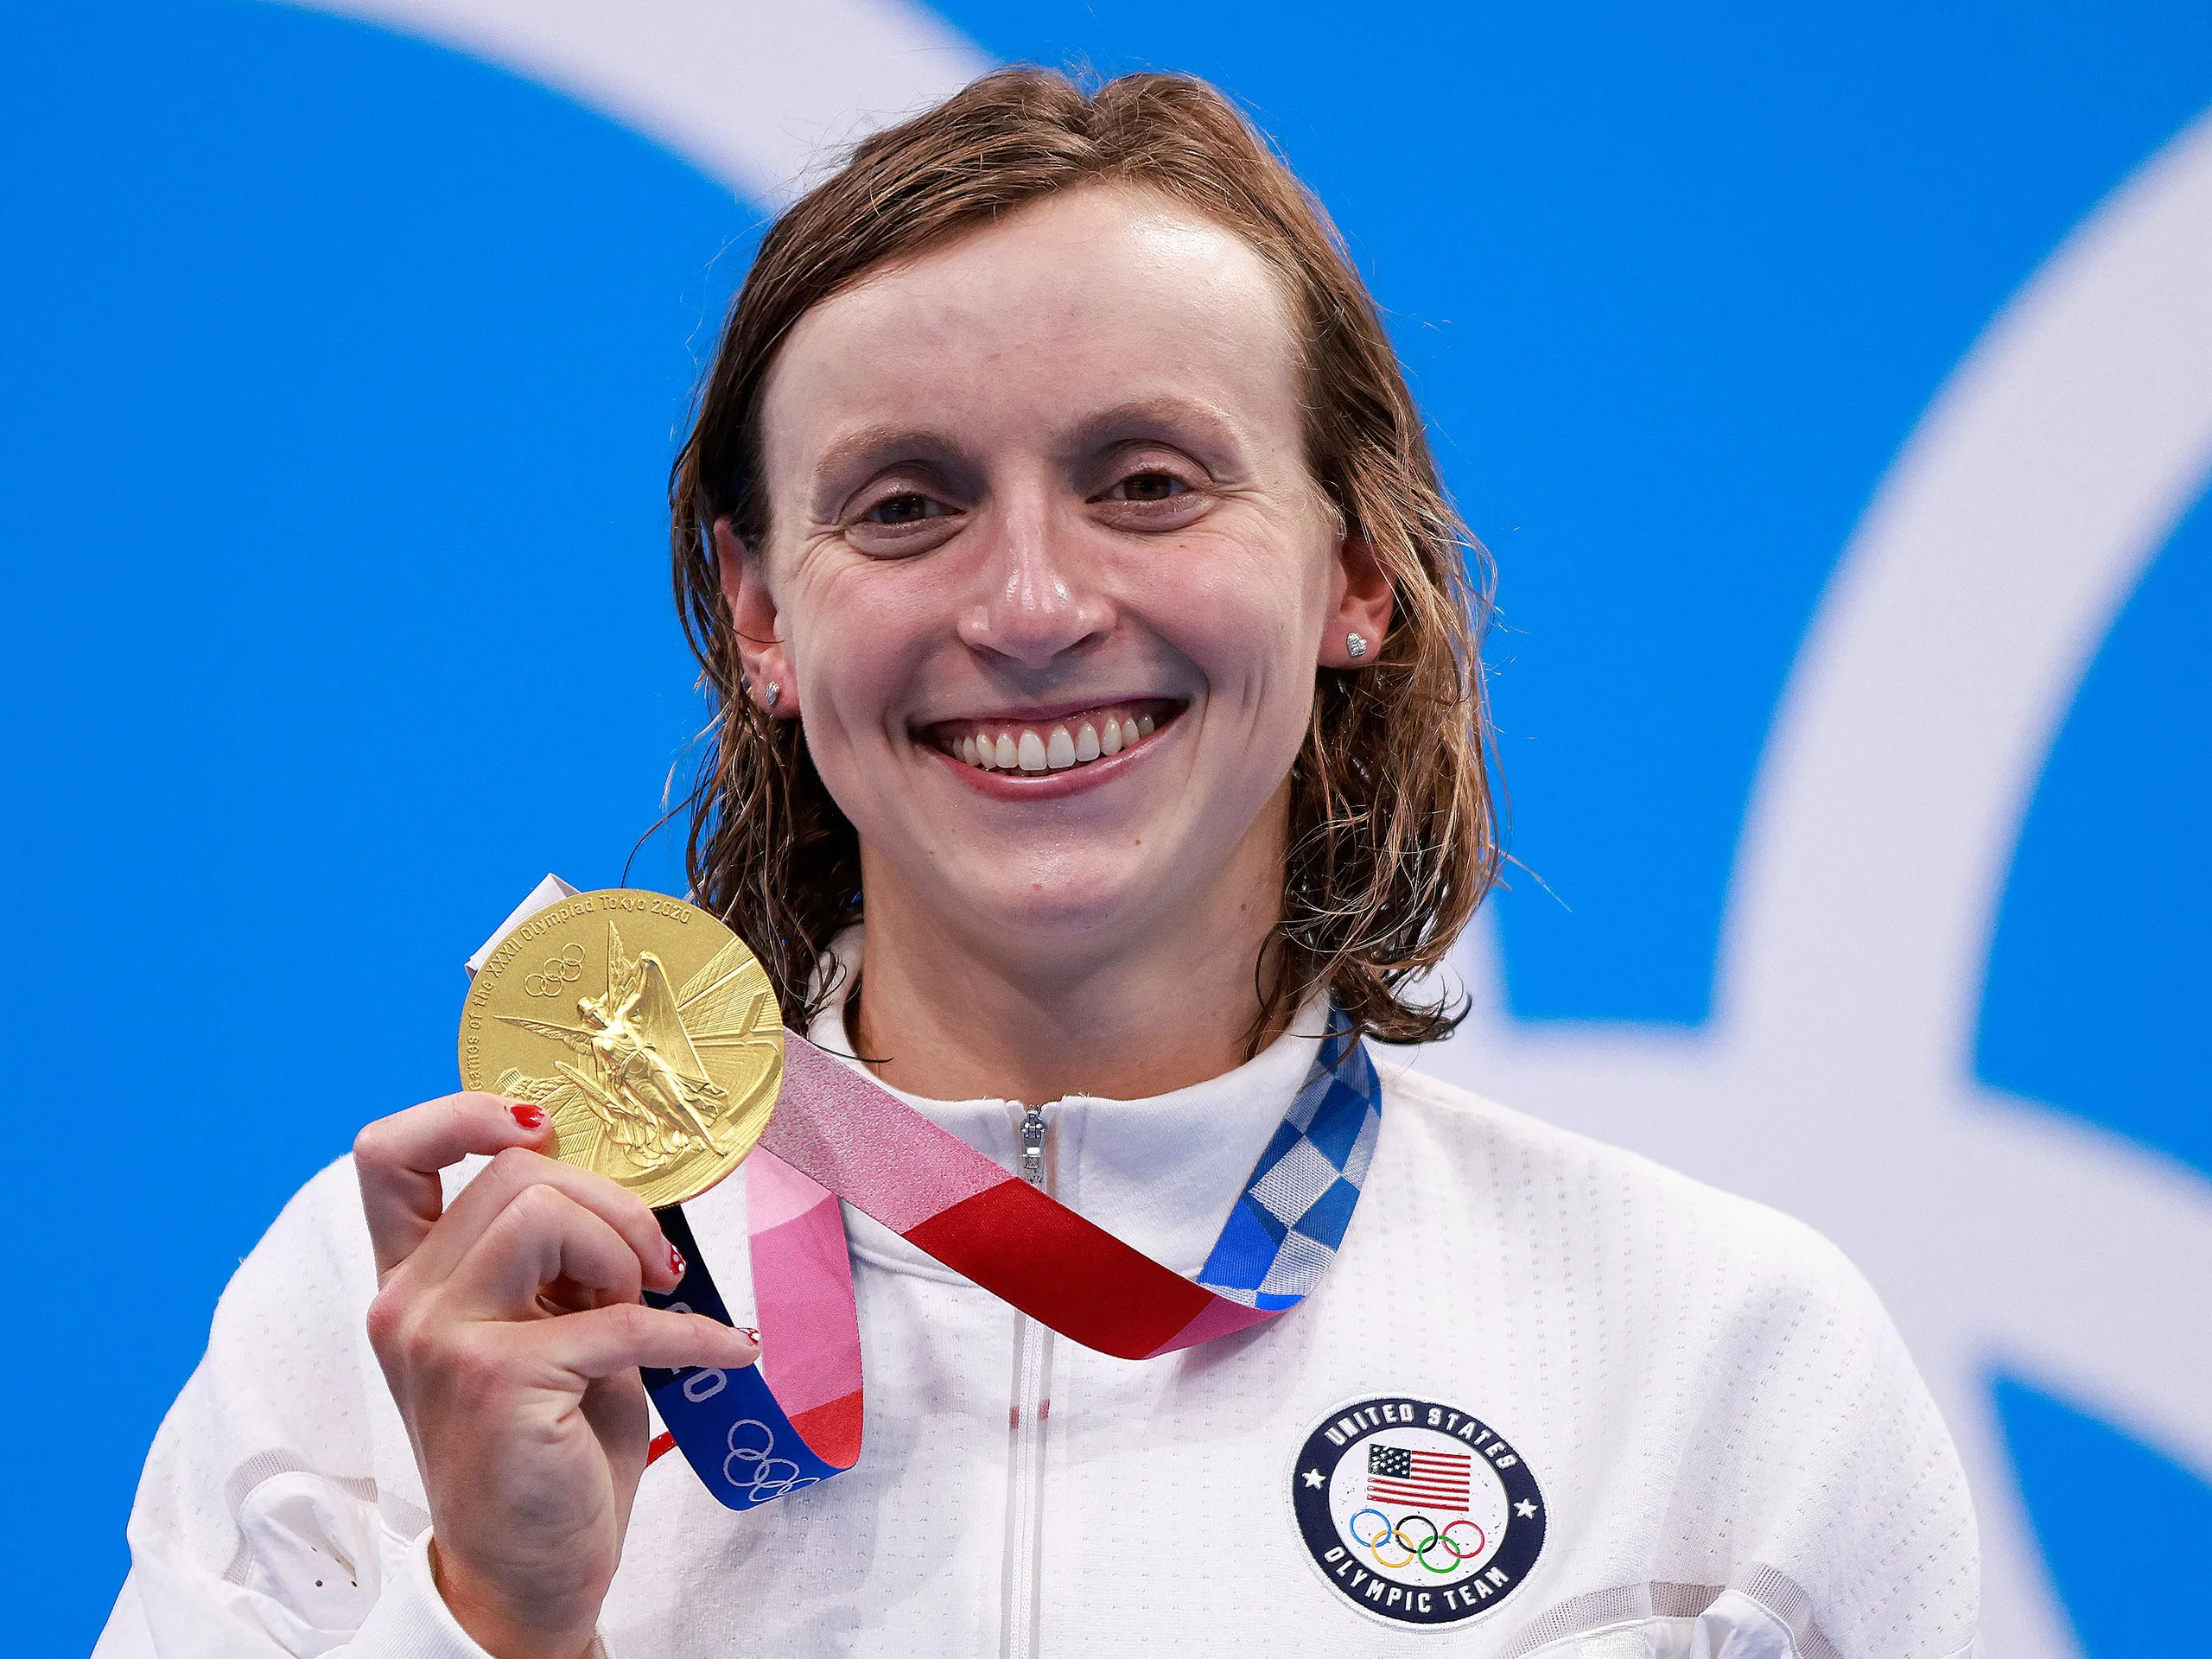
<point x="1144" y="415"/>
<point x="873" y="442"/>
<point x="868" y="448"/>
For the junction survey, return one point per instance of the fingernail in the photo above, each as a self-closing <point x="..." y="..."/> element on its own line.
<point x="676" y="1261"/>
<point x="751" y="1335"/>
<point x="530" y="1117"/>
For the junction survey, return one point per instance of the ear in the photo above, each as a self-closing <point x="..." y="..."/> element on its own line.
<point x="1360" y="603"/>
<point x="762" y="652"/>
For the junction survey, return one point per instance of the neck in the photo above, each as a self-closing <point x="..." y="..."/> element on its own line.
<point x="946" y="1011"/>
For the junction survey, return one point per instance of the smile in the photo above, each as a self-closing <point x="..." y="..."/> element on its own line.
<point x="1059" y="742"/>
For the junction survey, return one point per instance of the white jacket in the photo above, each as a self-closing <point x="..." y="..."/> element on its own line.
<point x="1723" y="1440"/>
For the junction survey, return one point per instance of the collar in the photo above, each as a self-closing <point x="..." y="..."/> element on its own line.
<point x="1161" y="1174"/>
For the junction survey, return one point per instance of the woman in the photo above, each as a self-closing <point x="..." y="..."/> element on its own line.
<point x="1100" y="721"/>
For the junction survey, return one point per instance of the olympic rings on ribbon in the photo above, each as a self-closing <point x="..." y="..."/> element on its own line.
<point x="563" y="969"/>
<point x="750" y="1471"/>
<point x="1437" y="1539"/>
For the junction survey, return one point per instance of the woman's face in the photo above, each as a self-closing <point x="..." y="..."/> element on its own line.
<point x="1048" y="578"/>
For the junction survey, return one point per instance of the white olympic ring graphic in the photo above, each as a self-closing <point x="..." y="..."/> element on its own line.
<point x="764" y="1478"/>
<point x="1981" y="583"/>
<point x="563" y="969"/>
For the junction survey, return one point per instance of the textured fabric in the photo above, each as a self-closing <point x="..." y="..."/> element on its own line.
<point x="1736" y="1453"/>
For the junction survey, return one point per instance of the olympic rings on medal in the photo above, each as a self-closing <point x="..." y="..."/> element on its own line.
<point x="756" y="1476"/>
<point x="564" y="969"/>
<point x="1438" y="1538"/>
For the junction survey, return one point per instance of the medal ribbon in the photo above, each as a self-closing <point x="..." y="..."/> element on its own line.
<point x="794" y="1418"/>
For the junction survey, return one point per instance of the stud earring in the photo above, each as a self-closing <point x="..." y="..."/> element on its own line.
<point x="1356" y="645"/>
<point x="769" y="693"/>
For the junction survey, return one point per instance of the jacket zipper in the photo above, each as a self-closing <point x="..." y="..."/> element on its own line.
<point x="1030" y="1415"/>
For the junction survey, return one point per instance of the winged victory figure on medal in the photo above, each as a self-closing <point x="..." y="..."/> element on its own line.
<point x="636" y="1069"/>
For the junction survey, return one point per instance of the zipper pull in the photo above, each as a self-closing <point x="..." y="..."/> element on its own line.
<point x="1033" y="1147"/>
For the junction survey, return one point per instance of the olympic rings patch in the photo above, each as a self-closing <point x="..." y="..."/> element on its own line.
<point x="1418" y="1513"/>
<point x="564" y="969"/>
<point x="1448" y="1552"/>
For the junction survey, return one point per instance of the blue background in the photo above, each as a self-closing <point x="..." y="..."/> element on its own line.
<point x="343" y="377"/>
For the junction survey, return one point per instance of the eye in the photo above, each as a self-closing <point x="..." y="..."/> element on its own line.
<point x="910" y="507"/>
<point x="1148" y="487"/>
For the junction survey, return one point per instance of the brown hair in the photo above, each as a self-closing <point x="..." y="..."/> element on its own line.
<point x="1393" y="834"/>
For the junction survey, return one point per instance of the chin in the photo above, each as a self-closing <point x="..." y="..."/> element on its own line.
<point x="1078" y="898"/>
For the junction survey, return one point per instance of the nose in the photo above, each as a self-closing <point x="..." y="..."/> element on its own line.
<point x="1037" y="598"/>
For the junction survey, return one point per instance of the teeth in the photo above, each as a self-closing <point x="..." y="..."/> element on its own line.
<point x="1027" y="749"/>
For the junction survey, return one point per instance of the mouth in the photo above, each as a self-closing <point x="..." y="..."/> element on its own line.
<point x="1042" y="742"/>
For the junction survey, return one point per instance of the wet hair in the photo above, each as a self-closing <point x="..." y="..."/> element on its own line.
<point x="1393" y="835"/>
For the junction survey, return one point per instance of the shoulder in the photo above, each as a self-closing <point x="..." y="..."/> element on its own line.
<point x="1600" y="1192"/>
<point x="1798" y="1433"/>
<point x="1577" y="1225"/>
<point x="307" y="1280"/>
<point x="323" y="1222"/>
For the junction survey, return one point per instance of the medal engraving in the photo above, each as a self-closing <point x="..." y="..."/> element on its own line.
<point x="644" y="1028"/>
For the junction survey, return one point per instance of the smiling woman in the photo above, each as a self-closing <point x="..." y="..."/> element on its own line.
<point x="1100" y="761"/>
<point x="1072" y="410"/>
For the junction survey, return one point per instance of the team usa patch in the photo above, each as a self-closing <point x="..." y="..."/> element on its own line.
<point x="1416" y="1511"/>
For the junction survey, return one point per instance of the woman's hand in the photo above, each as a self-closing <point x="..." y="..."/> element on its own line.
<point x="510" y="1329"/>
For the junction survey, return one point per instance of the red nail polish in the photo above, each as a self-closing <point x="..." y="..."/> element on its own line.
<point x="752" y="1335"/>
<point x="676" y="1262"/>
<point x="530" y="1117"/>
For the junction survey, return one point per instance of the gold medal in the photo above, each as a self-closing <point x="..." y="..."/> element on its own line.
<point x="646" y="1029"/>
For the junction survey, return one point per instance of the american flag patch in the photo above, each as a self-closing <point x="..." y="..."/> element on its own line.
<point x="1427" y="1480"/>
